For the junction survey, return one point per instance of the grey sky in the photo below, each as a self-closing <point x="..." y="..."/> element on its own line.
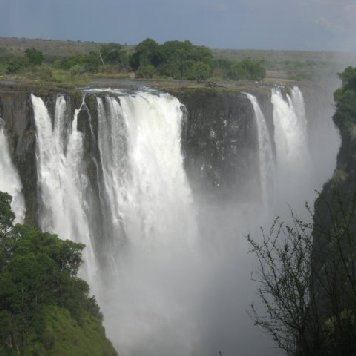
<point x="278" y="24"/>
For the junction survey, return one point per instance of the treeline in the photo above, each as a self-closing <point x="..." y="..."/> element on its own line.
<point x="41" y="297"/>
<point x="180" y="60"/>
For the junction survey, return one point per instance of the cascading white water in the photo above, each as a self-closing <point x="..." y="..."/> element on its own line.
<point x="294" y="168"/>
<point x="150" y="202"/>
<point x="61" y="178"/>
<point x="265" y="152"/>
<point x="9" y="178"/>
<point x="112" y="147"/>
<point x="158" y="180"/>
<point x="145" y="183"/>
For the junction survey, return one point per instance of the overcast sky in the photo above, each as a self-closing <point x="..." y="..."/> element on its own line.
<point x="277" y="24"/>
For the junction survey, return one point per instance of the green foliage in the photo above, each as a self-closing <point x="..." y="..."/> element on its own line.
<point x="348" y="78"/>
<point x="183" y="60"/>
<point x="46" y="74"/>
<point x="146" y="71"/>
<point x="80" y="64"/>
<point x="6" y="214"/>
<point x="113" y="53"/>
<point x="38" y="272"/>
<point x="179" y="60"/>
<point x="345" y="98"/>
<point x="307" y="282"/>
<point x="34" y="56"/>
<point x="16" y="64"/>
<point x="146" y="52"/>
<point x="64" y="335"/>
<point x="246" y="69"/>
<point x="175" y="59"/>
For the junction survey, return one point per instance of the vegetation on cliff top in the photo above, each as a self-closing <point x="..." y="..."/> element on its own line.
<point x="45" y="309"/>
<point x="172" y="59"/>
<point x="345" y="99"/>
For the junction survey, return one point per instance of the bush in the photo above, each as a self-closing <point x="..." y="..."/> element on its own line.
<point x="246" y="70"/>
<point x="34" y="56"/>
<point x="175" y="59"/>
<point x="146" y="71"/>
<point x="16" y="64"/>
<point x="146" y="52"/>
<point x="37" y="271"/>
<point x="307" y="280"/>
<point x="113" y="53"/>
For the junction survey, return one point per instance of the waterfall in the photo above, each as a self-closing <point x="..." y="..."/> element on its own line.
<point x="152" y="214"/>
<point x="9" y="178"/>
<point x="146" y="207"/>
<point x="294" y="168"/>
<point x="144" y="180"/>
<point x="265" y="152"/>
<point x="116" y="182"/>
<point x="61" y="177"/>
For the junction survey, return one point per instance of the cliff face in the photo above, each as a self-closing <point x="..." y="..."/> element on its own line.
<point x="219" y="141"/>
<point x="334" y="242"/>
<point x="342" y="186"/>
<point x="16" y="111"/>
<point x="218" y="138"/>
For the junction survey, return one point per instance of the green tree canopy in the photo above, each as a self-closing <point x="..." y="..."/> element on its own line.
<point x="34" y="56"/>
<point x="348" y="78"/>
<point x="113" y="53"/>
<point x="175" y="59"/>
<point x="146" y="53"/>
<point x="6" y="214"/>
<point x="37" y="271"/>
<point x="345" y="98"/>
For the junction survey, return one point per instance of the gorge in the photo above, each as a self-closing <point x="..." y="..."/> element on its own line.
<point x="162" y="188"/>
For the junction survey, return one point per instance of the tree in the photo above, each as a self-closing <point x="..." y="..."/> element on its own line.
<point x="183" y="60"/>
<point x="175" y="59"/>
<point x="146" y="53"/>
<point x="38" y="272"/>
<point x="146" y="71"/>
<point x="16" y="64"/>
<point x="348" y="78"/>
<point x="284" y="277"/>
<point x="247" y="69"/>
<point x="113" y="53"/>
<point x="7" y="216"/>
<point x="307" y="286"/>
<point x="34" y="56"/>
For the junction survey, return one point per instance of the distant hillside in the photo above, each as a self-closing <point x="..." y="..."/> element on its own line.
<point x="48" y="47"/>
<point x="55" y="48"/>
<point x="293" y="64"/>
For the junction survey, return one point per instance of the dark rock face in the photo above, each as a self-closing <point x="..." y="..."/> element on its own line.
<point x="219" y="140"/>
<point x="334" y="242"/>
<point x="16" y="111"/>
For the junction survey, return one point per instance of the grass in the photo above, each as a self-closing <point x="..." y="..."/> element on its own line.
<point x="64" y="336"/>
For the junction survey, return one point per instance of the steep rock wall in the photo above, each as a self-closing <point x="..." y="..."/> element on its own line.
<point x="334" y="242"/>
<point x="218" y="139"/>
